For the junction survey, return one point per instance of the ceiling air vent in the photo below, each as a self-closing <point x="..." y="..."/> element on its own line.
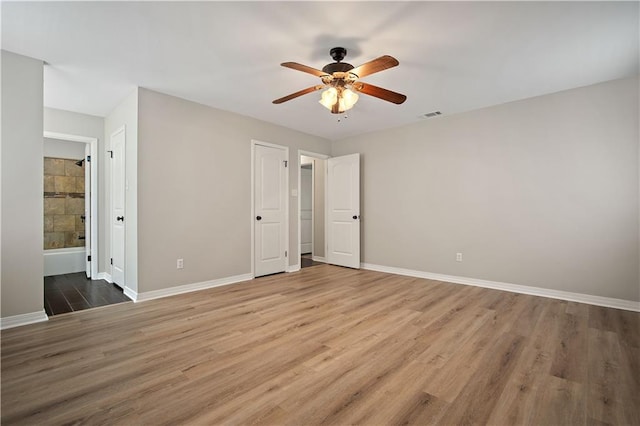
<point x="432" y="114"/>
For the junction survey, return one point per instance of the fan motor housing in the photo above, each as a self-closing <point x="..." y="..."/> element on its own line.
<point x="337" y="67"/>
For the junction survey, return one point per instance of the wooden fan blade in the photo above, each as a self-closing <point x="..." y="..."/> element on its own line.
<point x="379" y="92"/>
<point x="299" y="93"/>
<point x="380" y="64"/>
<point x="304" y="68"/>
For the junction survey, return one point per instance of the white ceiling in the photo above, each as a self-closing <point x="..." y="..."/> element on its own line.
<point x="454" y="56"/>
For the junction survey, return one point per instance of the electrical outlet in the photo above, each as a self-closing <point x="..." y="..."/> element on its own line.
<point x="458" y="257"/>
<point x="180" y="264"/>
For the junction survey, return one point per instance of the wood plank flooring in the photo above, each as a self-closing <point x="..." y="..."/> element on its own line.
<point x="328" y="345"/>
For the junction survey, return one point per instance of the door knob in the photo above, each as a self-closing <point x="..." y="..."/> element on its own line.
<point x="120" y="218"/>
<point x="356" y="217"/>
<point x="258" y="217"/>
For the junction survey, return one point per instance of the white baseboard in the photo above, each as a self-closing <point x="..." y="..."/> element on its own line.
<point x="187" y="288"/>
<point x="293" y="268"/>
<point x="318" y="259"/>
<point x="104" y="276"/>
<point x="23" y="319"/>
<point x="130" y="294"/>
<point x="608" y="302"/>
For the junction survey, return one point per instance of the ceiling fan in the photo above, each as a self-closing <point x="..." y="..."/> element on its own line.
<point x="342" y="81"/>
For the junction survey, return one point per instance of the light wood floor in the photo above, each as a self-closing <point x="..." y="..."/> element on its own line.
<point x="328" y="345"/>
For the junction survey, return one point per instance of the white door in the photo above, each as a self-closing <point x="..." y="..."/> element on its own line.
<point x="117" y="206"/>
<point x="343" y="207"/>
<point x="270" y="202"/>
<point x="87" y="207"/>
<point x="306" y="210"/>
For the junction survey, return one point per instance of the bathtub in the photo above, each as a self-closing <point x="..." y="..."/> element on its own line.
<point x="64" y="261"/>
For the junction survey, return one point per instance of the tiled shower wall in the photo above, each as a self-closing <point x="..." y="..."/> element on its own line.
<point x="63" y="203"/>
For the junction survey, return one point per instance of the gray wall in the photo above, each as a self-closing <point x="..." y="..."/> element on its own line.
<point x="22" y="170"/>
<point x="542" y="192"/>
<point x="73" y="123"/>
<point x="195" y="189"/>
<point x="125" y="114"/>
<point x="55" y="148"/>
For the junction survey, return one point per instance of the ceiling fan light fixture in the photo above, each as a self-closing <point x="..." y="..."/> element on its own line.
<point x="345" y="98"/>
<point x="350" y="98"/>
<point x="329" y="98"/>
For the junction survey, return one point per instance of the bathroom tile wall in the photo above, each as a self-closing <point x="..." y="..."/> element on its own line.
<point x="63" y="203"/>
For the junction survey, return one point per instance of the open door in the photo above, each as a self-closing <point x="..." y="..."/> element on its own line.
<point x="87" y="207"/>
<point x="343" y="208"/>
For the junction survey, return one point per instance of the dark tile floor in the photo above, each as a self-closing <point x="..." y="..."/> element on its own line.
<point x="306" y="261"/>
<point x="75" y="292"/>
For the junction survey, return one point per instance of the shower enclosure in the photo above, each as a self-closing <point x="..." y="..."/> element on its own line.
<point x="64" y="215"/>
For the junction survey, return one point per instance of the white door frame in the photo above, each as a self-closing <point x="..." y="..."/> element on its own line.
<point x="93" y="142"/>
<point x="255" y="142"/>
<point x="320" y="157"/>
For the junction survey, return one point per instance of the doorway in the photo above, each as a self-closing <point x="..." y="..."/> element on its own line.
<point x="70" y="184"/>
<point x="311" y="208"/>
<point x="336" y="209"/>
<point x="70" y="240"/>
